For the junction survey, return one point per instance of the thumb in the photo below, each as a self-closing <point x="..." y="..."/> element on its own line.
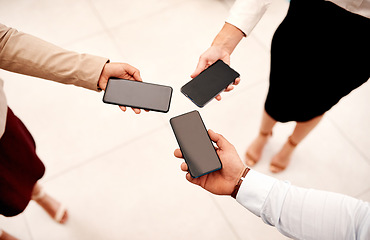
<point x="218" y="139"/>
<point x="200" y="67"/>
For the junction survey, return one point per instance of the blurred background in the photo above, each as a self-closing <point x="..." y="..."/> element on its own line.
<point x="116" y="171"/>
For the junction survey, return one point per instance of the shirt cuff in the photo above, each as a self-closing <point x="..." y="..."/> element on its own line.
<point x="246" y="14"/>
<point x="254" y="191"/>
<point x="88" y="71"/>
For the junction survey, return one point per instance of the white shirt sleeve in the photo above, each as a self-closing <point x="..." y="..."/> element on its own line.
<point x="245" y="14"/>
<point x="301" y="213"/>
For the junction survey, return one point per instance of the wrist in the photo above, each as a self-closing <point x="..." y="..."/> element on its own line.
<point x="102" y="82"/>
<point x="240" y="181"/>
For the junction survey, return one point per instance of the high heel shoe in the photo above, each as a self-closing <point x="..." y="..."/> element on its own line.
<point x="41" y="198"/>
<point x="277" y="167"/>
<point x="250" y="159"/>
<point x="6" y="236"/>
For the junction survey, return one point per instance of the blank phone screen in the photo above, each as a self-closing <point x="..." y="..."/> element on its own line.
<point x="195" y="144"/>
<point x="209" y="83"/>
<point x="138" y="94"/>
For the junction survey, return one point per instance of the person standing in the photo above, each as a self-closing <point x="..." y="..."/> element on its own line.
<point x="319" y="54"/>
<point x="20" y="167"/>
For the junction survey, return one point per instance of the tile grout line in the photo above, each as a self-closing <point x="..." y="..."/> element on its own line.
<point x="28" y="227"/>
<point x="226" y="3"/>
<point x="105" y="28"/>
<point x="362" y="193"/>
<point x="108" y="30"/>
<point x="225" y="217"/>
<point x="352" y="144"/>
<point x="97" y="156"/>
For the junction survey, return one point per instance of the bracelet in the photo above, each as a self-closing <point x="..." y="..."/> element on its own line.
<point x="237" y="186"/>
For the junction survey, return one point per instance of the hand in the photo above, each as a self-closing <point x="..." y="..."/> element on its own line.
<point x="119" y="70"/>
<point x="210" y="56"/>
<point x="221" y="182"/>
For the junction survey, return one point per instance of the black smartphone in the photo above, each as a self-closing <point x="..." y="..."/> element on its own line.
<point x="136" y="94"/>
<point x="209" y="83"/>
<point x="197" y="148"/>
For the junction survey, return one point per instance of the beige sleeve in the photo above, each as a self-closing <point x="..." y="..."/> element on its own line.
<point x="29" y="55"/>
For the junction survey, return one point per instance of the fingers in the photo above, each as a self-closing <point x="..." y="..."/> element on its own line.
<point x="184" y="167"/>
<point x="218" y="139"/>
<point x="189" y="178"/>
<point x="136" y="110"/>
<point x="134" y="72"/>
<point x="229" y="88"/>
<point x="200" y="67"/>
<point x="237" y="81"/>
<point x="178" y="153"/>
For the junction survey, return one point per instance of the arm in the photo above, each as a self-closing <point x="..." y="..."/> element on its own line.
<point x="244" y="15"/>
<point x="301" y="213"/>
<point x="296" y="212"/>
<point x="29" y="55"/>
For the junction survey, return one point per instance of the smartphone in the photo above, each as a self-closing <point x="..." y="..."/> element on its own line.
<point x="209" y="83"/>
<point x="197" y="148"/>
<point x="136" y="94"/>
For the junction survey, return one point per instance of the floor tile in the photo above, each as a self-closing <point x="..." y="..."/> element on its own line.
<point x="320" y="162"/>
<point x="134" y="192"/>
<point x="365" y="196"/>
<point x="325" y="152"/>
<point x="16" y="226"/>
<point x="73" y="124"/>
<point x="270" y="21"/>
<point x="245" y="224"/>
<point x="116" y="171"/>
<point x="117" y="12"/>
<point x="351" y="116"/>
<point x="57" y="22"/>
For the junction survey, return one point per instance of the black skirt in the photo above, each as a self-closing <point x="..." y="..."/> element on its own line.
<point x="319" y="54"/>
<point x="20" y="167"/>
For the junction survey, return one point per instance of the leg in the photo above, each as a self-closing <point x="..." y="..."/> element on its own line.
<point x="6" y="236"/>
<point x="254" y="151"/>
<point x="281" y="160"/>
<point x="49" y="204"/>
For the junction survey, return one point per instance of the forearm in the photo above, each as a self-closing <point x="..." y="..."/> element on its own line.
<point x="29" y="55"/>
<point x="304" y="213"/>
<point x="228" y="38"/>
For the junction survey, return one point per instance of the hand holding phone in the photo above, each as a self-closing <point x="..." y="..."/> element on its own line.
<point x="139" y="95"/>
<point x="220" y="182"/>
<point x="209" y="83"/>
<point x="123" y="70"/>
<point x="195" y="144"/>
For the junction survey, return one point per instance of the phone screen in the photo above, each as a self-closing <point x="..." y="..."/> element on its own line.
<point x="195" y="144"/>
<point x="209" y="83"/>
<point x="138" y="94"/>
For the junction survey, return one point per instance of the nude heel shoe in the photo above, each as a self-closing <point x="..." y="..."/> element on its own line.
<point x="6" y="236"/>
<point x="252" y="160"/>
<point x="61" y="212"/>
<point x="277" y="167"/>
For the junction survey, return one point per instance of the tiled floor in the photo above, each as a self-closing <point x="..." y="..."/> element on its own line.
<point x="116" y="171"/>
